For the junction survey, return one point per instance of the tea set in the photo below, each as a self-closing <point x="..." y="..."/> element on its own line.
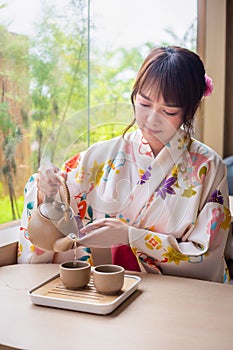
<point x="53" y="227"/>
<point x="108" y="279"/>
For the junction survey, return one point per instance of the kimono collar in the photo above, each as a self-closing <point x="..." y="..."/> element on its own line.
<point x="158" y="168"/>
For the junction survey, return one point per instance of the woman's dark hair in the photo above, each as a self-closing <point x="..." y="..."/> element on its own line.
<point x="176" y="73"/>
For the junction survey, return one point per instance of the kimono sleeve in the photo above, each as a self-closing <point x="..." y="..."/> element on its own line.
<point x="27" y="252"/>
<point x="204" y="240"/>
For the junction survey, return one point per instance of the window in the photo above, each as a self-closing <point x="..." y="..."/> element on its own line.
<point x="66" y="75"/>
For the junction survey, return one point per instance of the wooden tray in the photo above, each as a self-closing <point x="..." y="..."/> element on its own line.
<point x="53" y="293"/>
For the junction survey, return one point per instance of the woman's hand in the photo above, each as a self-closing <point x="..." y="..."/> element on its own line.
<point x="104" y="233"/>
<point x="48" y="180"/>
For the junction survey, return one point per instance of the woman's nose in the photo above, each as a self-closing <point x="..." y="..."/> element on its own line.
<point x="154" y="117"/>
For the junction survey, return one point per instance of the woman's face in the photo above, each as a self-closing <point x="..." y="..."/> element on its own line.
<point x="157" y="120"/>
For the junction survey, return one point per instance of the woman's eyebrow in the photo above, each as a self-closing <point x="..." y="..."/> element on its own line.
<point x="144" y="96"/>
<point x="170" y="105"/>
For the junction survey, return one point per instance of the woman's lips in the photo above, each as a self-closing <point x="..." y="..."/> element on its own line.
<point x="150" y="131"/>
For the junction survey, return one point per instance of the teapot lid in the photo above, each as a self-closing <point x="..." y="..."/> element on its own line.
<point x="53" y="210"/>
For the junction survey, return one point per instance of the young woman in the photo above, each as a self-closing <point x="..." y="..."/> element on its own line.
<point x="155" y="196"/>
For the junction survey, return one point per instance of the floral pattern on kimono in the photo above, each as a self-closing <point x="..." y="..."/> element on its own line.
<point x="176" y="204"/>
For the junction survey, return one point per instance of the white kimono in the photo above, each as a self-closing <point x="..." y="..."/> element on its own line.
<point x="176" y="204"/>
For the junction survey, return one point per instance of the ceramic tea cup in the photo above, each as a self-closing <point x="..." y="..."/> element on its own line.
<point x="108" y="279"/>
<point x="75" y="275"/>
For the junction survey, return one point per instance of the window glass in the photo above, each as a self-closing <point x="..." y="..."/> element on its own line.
<point x="67" y="69"/>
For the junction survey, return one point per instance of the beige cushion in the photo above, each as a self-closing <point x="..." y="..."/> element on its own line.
<point x="8" y="254"/>
<point x="9" y="233"/>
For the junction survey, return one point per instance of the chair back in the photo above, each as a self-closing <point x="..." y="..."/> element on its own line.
<point x="229" y="163"/>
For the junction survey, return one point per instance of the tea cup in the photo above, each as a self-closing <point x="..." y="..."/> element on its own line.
<point x="108" y="278"/>
<point x="75" y="275"/>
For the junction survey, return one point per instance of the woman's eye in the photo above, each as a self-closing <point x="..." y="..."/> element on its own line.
<point x="144" y="104"/>
<point x="170" y="114"/>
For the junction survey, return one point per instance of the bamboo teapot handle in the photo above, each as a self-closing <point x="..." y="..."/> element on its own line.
<point x="65" y="197"/>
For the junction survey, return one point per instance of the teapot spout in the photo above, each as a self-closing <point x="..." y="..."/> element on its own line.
<point x="65" y="243"/>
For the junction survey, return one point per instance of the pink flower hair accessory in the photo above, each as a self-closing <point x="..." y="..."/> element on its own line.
<point x="209" y="86"/>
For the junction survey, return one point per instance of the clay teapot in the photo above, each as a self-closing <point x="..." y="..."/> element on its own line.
<point x="52" y="226"/>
